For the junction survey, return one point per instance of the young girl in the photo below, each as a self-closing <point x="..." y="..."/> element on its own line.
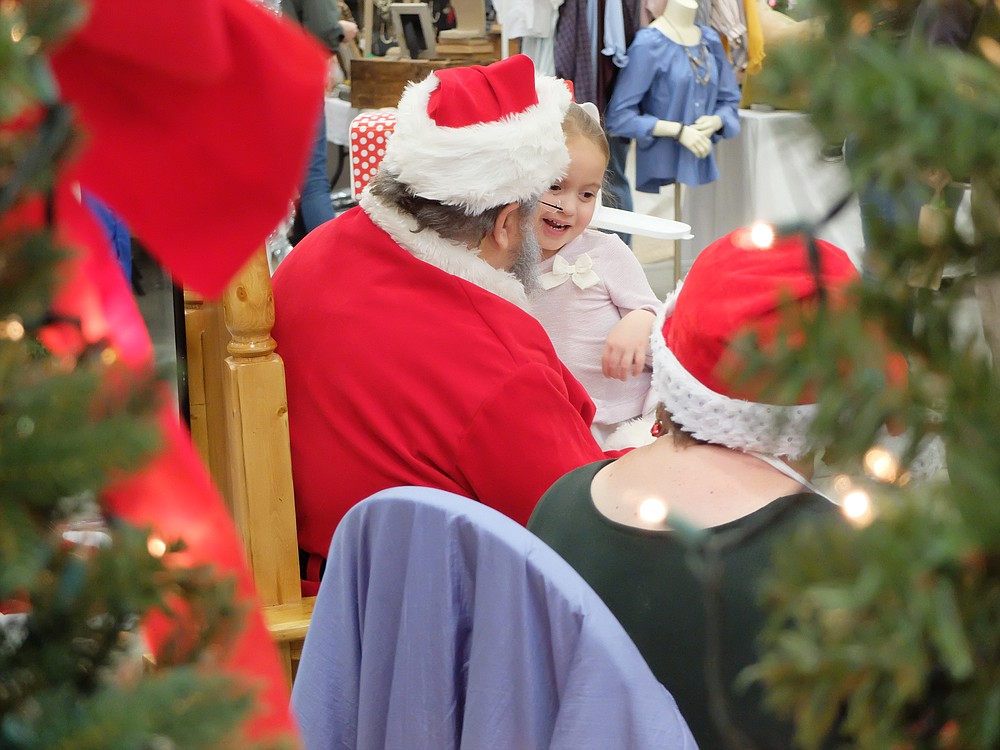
<point x="594" y="302"/>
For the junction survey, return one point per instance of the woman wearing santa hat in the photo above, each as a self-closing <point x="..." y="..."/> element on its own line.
<point x="726" y="471"/>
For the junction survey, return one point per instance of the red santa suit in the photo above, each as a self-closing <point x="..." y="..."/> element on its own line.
<point x="410" y="362"/>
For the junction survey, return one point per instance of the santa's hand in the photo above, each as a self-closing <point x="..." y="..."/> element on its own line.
<point x="708" y="124"/>
<point x="695" y="141"/>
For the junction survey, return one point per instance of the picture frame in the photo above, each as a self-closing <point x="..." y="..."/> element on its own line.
<point x="414" y="30"/>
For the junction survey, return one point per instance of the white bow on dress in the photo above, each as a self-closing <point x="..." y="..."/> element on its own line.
<point x="582" y="273"/>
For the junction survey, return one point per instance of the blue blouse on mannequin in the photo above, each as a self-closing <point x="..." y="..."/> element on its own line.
<point x="665" y="80"/>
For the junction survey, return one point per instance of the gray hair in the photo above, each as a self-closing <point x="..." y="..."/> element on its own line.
<point x="450" y="222"/>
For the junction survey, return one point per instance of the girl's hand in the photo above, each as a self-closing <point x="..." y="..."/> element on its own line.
<point x="626" y="346"/>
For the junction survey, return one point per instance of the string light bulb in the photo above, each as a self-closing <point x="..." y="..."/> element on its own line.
<point x="156" y="546"/>
<point x="857" y="507"/>
<point x="762" y="235"/>
<point x="12" y="328"/>
<point x="655" y="513"/>
<point x="842" y="484"/>
<point x="862" y="24"/>
<point x="880" y="464"/>
<point x="652" y="510"/>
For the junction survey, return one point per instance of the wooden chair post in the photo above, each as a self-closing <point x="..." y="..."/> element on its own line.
<point x="205" y="336"/>
<point x="260" y="479"/>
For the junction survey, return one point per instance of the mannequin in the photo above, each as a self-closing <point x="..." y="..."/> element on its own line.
<point x="676" y="96"/>
<point x="677" y="24"/>
<point x="682" y="90"/>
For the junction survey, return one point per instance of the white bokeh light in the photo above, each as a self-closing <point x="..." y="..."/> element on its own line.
<point x="762" y="235"/>
<point x="881" y="465"/>
<point x="842" y="484"/>
<point x="857" y="507"/>
<point x="156" y="546"/>
<point x="653" y="510"/>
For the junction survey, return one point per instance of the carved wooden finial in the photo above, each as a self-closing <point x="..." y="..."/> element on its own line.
<point x="248" y="303"/>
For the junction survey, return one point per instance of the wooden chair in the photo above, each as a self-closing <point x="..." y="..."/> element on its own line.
<point x="239" y="423"/>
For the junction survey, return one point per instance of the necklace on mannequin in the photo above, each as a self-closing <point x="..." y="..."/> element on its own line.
<point x="699" y="65"/>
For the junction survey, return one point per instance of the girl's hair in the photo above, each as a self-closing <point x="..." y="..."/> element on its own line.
<point x="579" y="123"/>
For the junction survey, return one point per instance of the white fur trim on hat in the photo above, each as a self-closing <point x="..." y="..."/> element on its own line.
<point x="707" y="415"/>
<point x="749" y="426"/>
<point x="479" y="166"/>
<point x="448" y="255"/>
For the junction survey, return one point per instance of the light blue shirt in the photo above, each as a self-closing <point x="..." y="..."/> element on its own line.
<point x="614" y="33"/>
<point x="659" y="83"/>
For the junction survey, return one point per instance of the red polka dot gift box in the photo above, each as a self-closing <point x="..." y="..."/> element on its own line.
<point x="370" y="132"/>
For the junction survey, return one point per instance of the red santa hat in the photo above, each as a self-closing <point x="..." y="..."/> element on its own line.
<point x="740" y="284"/>
<point x="480" y="136"/>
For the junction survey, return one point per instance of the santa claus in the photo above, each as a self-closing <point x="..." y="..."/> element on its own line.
<point x="410" y="358"/>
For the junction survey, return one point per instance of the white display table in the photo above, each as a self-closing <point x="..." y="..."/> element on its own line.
<point x="339" y="114"/>
<point x="772" y="171"/>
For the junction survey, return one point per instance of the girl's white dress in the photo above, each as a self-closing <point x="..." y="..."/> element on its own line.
<point x="595" y="284"/>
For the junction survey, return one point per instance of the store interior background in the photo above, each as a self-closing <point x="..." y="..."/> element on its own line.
<point x="161" y="304"/>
